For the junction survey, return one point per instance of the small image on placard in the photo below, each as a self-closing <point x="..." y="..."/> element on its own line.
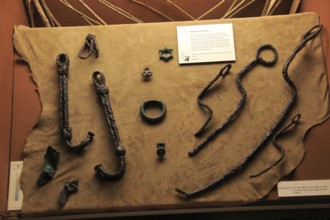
<point x="206" y="43"/>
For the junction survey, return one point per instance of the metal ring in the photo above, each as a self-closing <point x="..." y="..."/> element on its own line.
<point x="147" y="104"/>
<point x="264" y="62"/>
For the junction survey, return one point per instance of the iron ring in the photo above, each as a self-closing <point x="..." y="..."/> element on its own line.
<point x="265" y="62"/>
<point x="159" y="104"/>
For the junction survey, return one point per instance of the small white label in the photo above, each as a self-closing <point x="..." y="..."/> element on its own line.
<point x="303" y="188"/>
<point x="206" y="43"/>
<point x="15" y="194"/>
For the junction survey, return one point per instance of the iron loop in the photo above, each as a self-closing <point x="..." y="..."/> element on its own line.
<point x="153" y="103"/>
<point x="264" y="62"/>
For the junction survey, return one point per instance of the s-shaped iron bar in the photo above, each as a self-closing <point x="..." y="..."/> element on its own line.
<point x="103" y="93"/>
<point x="223" y="72"/>
<point x="63" y="62"/>
<point x="309" y="35"/>
<point x="232" y="117"/>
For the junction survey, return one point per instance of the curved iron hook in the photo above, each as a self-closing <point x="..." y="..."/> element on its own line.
<point x="309" y="35"/>
<point x="63" y="62"/>
<point x="103" y="93"/>
<point x="232" y="117"/>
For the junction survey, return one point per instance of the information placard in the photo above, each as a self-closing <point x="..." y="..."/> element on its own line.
<point x="206" y="43"/>
<point x="303" y="188"/>
<point x="15" y="194"/>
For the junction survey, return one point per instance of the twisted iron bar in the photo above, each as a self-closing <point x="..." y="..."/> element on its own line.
<point x="63" y="62"/>
<point x="103" y="93"/>
<point x="223" y="72"/>
<point x="309" y="35"/>
<point x="233" y="116"/>
<point x="278" y="146"/>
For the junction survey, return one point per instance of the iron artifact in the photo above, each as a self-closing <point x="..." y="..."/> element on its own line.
<point x="103" y="93"/>
<point x="90" y="47"/>
<point x="160" y="150"/>
<point x="69" y="188"/>
<point x="278" y="146"/>
<point x="223" y="72"/>
<point x="146" y="74"/>
<point x="63" y="62"/>
<point x="166" y="54"/>
<point x="240" y="75"/>
<point x="51" y="159"/>
<point x="309" y="35"/>
<point x="153" y="103"/>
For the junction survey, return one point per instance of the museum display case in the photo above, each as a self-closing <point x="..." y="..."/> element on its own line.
<point x="139" y="109"/>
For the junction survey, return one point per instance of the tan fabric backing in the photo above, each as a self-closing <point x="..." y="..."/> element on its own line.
<point x="125" y="50"/>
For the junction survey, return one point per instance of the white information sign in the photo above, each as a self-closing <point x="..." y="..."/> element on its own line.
<point x="206" y="43"/>
<point x="303" y="188"/>
<point x="15" y="194"/>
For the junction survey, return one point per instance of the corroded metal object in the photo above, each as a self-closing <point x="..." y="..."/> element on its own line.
<point x="51" y="159"/>
<point x="309" y="35"/>
<point x="223" y="72"/>
<point x="233" y="116"/>
<point x="68" y="189"/>
<point x="103" y="93"/>
<point x="153" y="103"/>
<point x="166" y="54"/>
<point x="160" y="150"/>
<point x="90" y="47"/>
<point x="63" y="62"/>
<point x="278" y="146"/>
<point x="146" y="74"/>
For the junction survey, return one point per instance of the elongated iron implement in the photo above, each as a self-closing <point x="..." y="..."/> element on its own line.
<point x="234" y="115"/>
<point x="223" y="72"/>
<point x="63" y="62"/>
<point x="309" y="35"/>
<point x="103" y="93"/>
<point x="278" y="146"/>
